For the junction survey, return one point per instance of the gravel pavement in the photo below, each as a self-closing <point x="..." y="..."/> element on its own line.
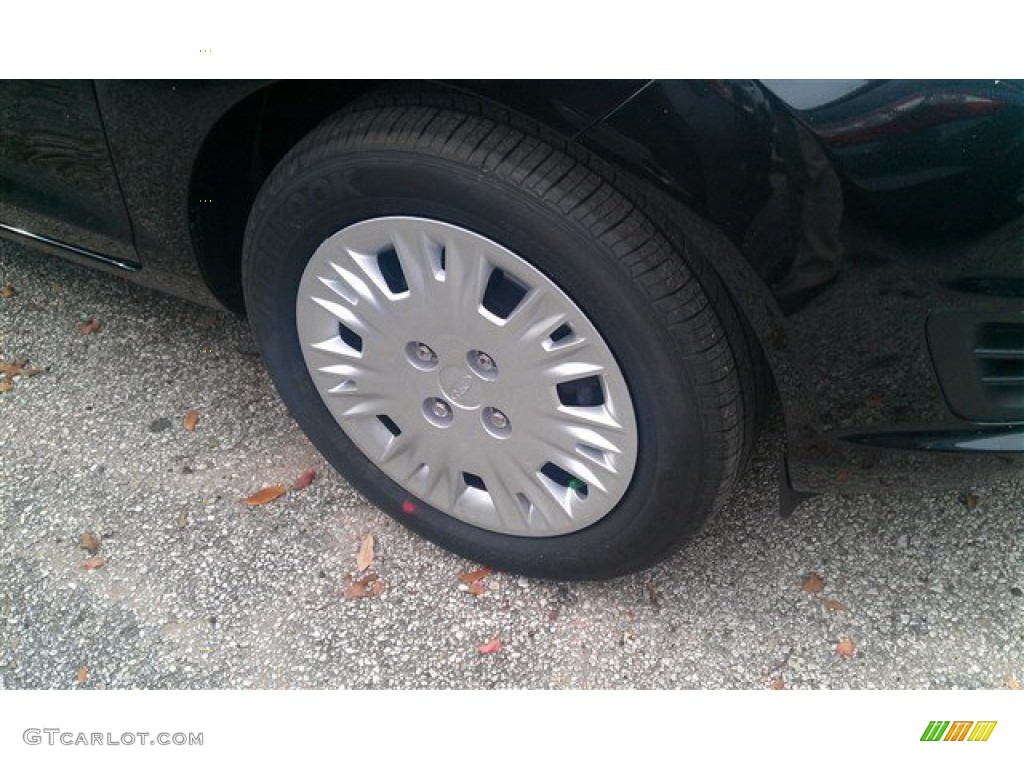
<point x="198" y="590"/>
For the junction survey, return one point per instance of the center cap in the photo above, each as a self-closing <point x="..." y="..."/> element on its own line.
<point x="460" y="386"/>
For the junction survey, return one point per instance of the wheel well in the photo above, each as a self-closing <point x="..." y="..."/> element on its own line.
<point x="243" y="148"/>
<point x="237" y="156"/>
<point x="248" y="142"/>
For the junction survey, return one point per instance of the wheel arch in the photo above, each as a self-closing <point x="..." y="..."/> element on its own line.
<point x="247" y="142"/>
<point x="234" y="160"/>
<point x="252" y="137"/>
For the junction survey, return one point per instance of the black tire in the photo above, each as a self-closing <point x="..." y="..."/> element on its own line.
<point x="490" y="173"/>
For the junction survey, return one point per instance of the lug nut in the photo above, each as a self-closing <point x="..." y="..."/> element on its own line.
<point x="438" y="412"/>
<point x="496" y="423"/>
<point x="420" y="355"/>
<point x="482" y="364"/>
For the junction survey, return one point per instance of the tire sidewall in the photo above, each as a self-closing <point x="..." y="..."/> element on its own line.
<point x="300" y="208"/>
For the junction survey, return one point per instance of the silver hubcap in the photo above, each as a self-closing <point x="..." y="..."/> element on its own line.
<point x="467" y="376"/>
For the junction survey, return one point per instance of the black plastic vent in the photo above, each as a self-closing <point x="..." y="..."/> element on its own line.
<point x="1000" y="359"/>
<point x="979" y="360"/>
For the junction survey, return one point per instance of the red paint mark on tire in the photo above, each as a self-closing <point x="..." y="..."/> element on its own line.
<point x="408" y="507"/>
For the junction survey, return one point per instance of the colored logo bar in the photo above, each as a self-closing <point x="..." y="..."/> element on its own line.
<point x="958" y="730"/>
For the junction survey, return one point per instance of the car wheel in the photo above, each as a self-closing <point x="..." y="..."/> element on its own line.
<point x="492" y="342"/>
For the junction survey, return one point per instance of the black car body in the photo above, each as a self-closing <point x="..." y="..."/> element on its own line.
<point x="869" y="233"/>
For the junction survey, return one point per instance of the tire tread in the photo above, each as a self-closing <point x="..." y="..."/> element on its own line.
<point x="691" y="302"/>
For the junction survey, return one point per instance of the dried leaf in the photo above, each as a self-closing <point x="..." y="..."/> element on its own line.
<point x="304" y="479"/>
<point x="265" y="495"/>
<point x="846" y="648"/>
<point x="17" y="368"/>
<point x="89" y="543"/>
<point x="813" y="583"/>
<point x="364" y="557"/>
<point x="476" y="588"/>
<point x="971" y="500"/>
<point x="92" y="563"/>
<point x="190" y="420"/>
<point x="473" y="576"/>
<point x="778" y="683"/>
<point x="491" y="647"/>
<point x="1013" y="684"/>
<point x="89" y="326"/>
<point x="6" y="385"/>
<point x="82" y="675"/>
<point x="183" y="519"/>
<point x="8" y="291"/>
<point x="368" y="586"/>
<point x="833" y="605"/>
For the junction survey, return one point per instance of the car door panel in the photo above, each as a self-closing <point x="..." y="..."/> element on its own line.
<point x="57" y="181"/>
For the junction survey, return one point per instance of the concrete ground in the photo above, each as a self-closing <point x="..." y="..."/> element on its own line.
<point x="198" y="590"/>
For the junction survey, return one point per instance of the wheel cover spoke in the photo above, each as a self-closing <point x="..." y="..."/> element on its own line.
<point x="467" y="376"/>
